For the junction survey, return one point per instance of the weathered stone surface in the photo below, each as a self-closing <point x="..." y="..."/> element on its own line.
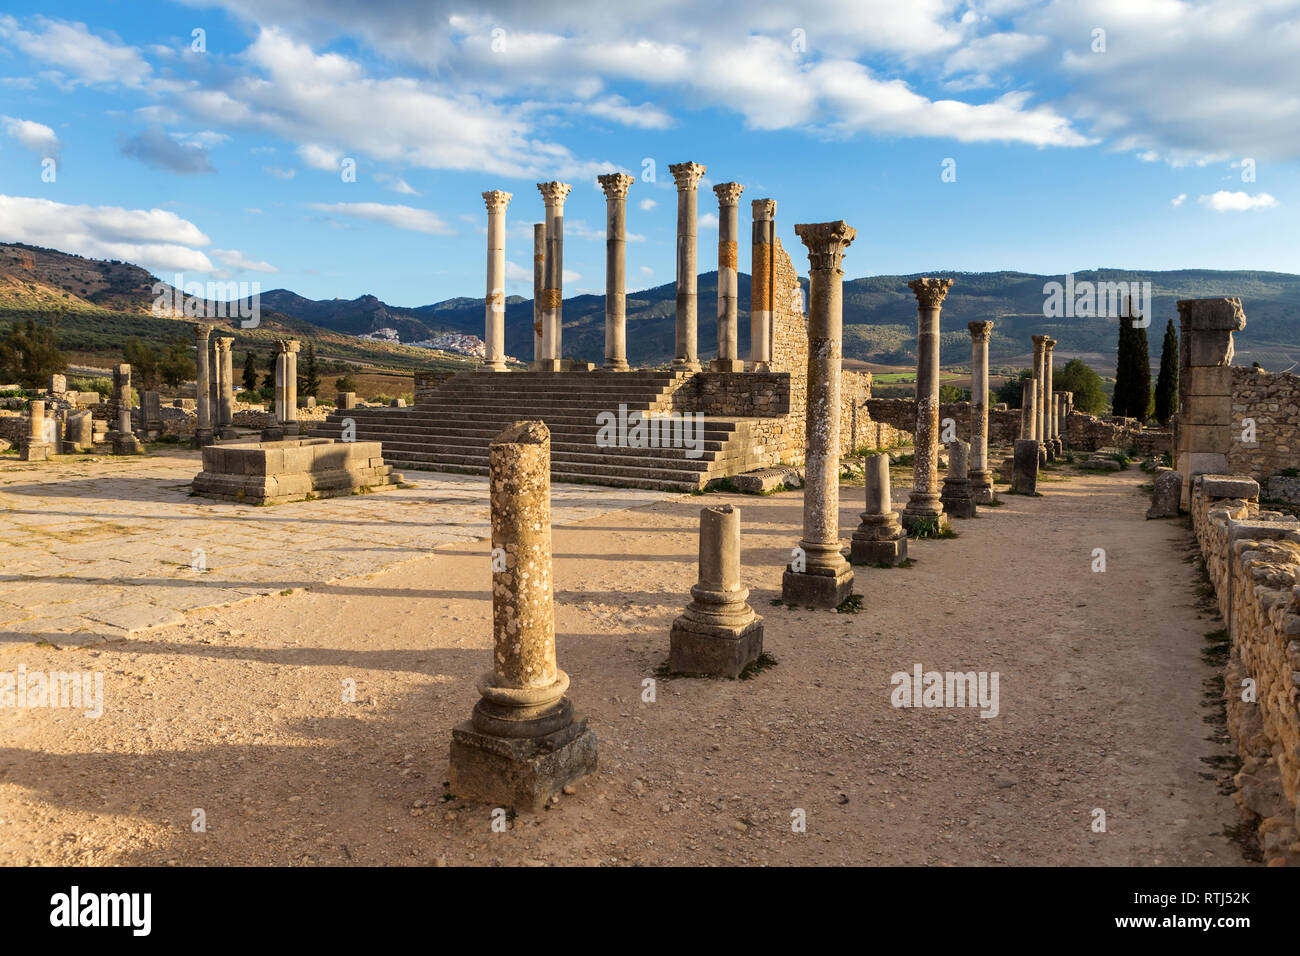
<point x="616" y="186"/>
<point x="957" y="497"/>
<point x="292" y="469"/>
<point x="924" y="507"/>
<point x="880" y="538"/>
<point x="494" y="300"/>
<point x="1024" y="475"/>
<point x="764" y="480"/>
<point x="1166" y="489"/>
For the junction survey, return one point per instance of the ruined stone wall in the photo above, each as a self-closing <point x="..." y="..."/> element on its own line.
<point x="1253" y="561"/>
<point x="1088" y="433"/>
<point x="426" y="382"/>
<point x="1273" y="401"/>
<point x="899" y="414"/>
<point x="760" y="394"/>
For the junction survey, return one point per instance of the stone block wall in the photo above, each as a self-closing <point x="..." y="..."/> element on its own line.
<point x="761" y="394"/>
<point x="1273" y="401"/>
<point x="1253" y="561"/>
<point x="426" y="382"/>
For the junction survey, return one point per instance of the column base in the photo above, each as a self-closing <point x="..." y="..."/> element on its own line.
<point x="548" y="365"/>
<point x="727" y="365"/>
<point x="1024" y="469"/>
<point x="519" y="772"/>
<point x="684" y="365"/>
<point x="924" y="512"/>
<point x="36" y="451"/>
<point x="272" y="433"/>
<point x="981" y="487"/>
<point x="1058" y="447"/>
<point x="202" y="438"/>
<point x="616" y="365"/>
<point x="957" y="498"/>
<point x="892" y="552"/>
<point x="492" y="367"/>
<point x="696" y="648"/>
<point x="126" y="444"/>
<point x="813" y="589"/>
<point x="226" y="432"/>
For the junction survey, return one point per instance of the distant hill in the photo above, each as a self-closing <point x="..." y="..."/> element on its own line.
<point x="879" y="312"/>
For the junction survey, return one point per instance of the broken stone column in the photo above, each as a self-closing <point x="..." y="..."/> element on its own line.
<point x="1029" y="410"/>
<point x="1040" y="394"/>
<point x="37" y="447"/>
<point x="718" y="634"/>
<point x="553" y="194"/>
<point x="687" y="176"/>
<point x="1053" y="439"/>
<point x="761" y="285"/>
<point x="1024" y="469"/>
<point x="615" y="186"/>
<point x="202" y="387"/>
<point x="523" y="742"/>
<point x="539" y="290"/>
<point x="819" y="576"/>
<point x="728" y="359"/>
<point x="123" y="440"/>
<point x="880" y="538"/>
<point x="285" y="422"/>
<point x="494" y="298"/>
<point x="981" y="476"/>
<point x="924" y="509"/>
<point x="80" y="431"/>
<point x="1205" y="427"/>
<point x="1166" y="488"/>
<point x="957" y="496"/>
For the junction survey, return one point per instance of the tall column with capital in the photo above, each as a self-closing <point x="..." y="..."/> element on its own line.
<point x="539" y="287"/>
<point x="1040" y="400"/>
<point x="819" y="576"/>
<point x="924" y="511"/>
<point x="616" y="186"/>
<point x="761" y="285"/>
<point x="687" y="176"/>
<point x="224" y="418"/>
<point x="494" y="299"/>
<point x="1053" y="438"/>
<point x="981" y="478"/>
<point x="553" y="194"/>
<point x="728" y="278"/>
<point x="202" y="387"/>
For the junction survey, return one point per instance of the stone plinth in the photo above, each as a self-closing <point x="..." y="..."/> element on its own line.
<point x="1024" y="468"/>
<point x="1206" y="429"/>
<point x="79" y="431"/>
<point x="37" y="446"/>
<point x="958" y="497"/>
<point x="880" y="538"/>
<point x="274" y="472"/>
<point x="523" y="741"/>
<point x="346" y="400"/>
<point x="1166" y="489"/>
<point x="123" y="440"/>
<point x="718" y="634"/>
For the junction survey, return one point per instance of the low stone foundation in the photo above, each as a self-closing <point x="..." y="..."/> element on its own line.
<point x="292" y="470"/>
<point x="1253" y="560"/>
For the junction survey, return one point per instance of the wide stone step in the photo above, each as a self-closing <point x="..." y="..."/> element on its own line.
<point x="582" y="431"/>
<point x="577" y="469"/>
<point x="613" y="481"/>
<point x="612" y="457"/>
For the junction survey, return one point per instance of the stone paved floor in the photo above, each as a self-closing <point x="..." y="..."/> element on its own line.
<point x="96" y="548"/>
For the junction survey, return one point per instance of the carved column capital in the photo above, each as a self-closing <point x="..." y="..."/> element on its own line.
<point x="728" y="193"/>
<point x="554" y="193"/>
<point x="930" y="292"/>
<point x="826" y="242"/>
<point x="980" y="331"/>
<point x="615" y="185"/>
<point x="497" y="200"/>
<point x="687" y="175"/>
<point x="764" y="209"/>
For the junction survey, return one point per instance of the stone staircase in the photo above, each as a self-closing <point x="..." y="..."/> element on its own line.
<point x="452" y="428"/>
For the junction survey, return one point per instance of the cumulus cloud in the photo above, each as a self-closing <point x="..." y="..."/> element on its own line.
<point x="320" y="157"/>
<point x="647" y="204"/>
<point x="1178" y="200"/>
<point x="1224" y="201"/>
<point x="37" y="137"/>
<point x="154" y="238"/>
<point x="237" y="260"/>
<point x="154" y="147"/>
<point x="75" y="55"/>
<point x="397" y="216"/>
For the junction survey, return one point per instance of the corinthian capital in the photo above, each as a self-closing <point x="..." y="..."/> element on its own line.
<point x="687" y="175"/>
<point x="980" y="331"/>
<point x="764" y="209"/>
<point x="615" y="185"/>
<point x="728" y="193"/>
<point x="287" y="345"/>
<point x="497" y="200"/>
<point x="201" y="332"/>
<point x="826" y="242"/>
<point x="1040" y="343"/>
<point x="930" y="292"/>
<point x="554" y="193"/>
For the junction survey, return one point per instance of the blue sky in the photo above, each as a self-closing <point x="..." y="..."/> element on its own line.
<point x="1171" y="139"/>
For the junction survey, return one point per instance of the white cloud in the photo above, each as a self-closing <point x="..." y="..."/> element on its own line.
<point x="397" y="216"/>
<point x="571" y="276"/>
<point x="37" y="137"/>
<point x="237" y="260"/>
<point x="1178" y="200"/>
<point x="1224" y="201"/>
<point x="280" y="173"/>
<point x="72" y="49"/>
<point x="153" y="238"/>
<point x="707" y="221"/>
<point x="320" y="157"/>
<point x="397" y="184"/>
<point x="647" y="204"/>
<point x="619" y="110"/>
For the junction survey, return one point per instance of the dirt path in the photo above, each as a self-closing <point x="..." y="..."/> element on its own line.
<point x="240" y="712"/>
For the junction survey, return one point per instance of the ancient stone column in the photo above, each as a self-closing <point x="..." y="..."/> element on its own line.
<point x="553" y="194"/>
<point x="957" y="497"/>
<point x="728" y="359"/>
<point x="1053" y="439"/>
<point x="523" y="743"/>
<point x="687" y="176"/>
<point x="1062" y="418"/>
<point x="289" y="416"/>
<point x="1029" y="410"/>
<point x="1040" y="395"/>
<point x="818" y="576"/>
<point x="36" y="447"/>
<point x="981" y="477"/>
<point x="80" y="431"/>
<point x="224" y="419"/>
<point x="616" y="186"/>
<point x="539" y="289"/>
<point x="1024" y="469"/>
<point x="880" y="538"/>
<point x="718" y="634"/>
<point x="494" y="298"/>
<point x="202" y="387"/>
<point x="123" y="440"/>
<point x="924" y="510"/>
<point x="761" y="285"/>
<point x="1205" y="429"/>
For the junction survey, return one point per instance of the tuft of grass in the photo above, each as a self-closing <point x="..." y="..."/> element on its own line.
<point x="759" y="664"/>
<point x="850" y="605"/>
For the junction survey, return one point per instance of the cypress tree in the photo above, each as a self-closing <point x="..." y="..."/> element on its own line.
<point x="310" y="374"/>
<point x="1140" y="404"/>
<point x="1167" y="383"/>
<point x="269" y="380"/>
<point x="250" y="372"/>
<point x="1123" y="368"/>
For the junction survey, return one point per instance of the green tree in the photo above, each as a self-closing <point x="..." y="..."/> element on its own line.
<point x="269" y="380"/>
<point x="1143" y="402"/>
<point x="1011" y="391"/>
<point x="250" y="372"/>
<point x="346" y="383"/>
<point x="177" y="365"/>
<point x="309" y="377"/>
<point x="144" y="361"/>
<point x="30" y="354"/>
<point x="1077" y="377"/>
<point x="951" y="393"/>
<point x="1123" y="394"/>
